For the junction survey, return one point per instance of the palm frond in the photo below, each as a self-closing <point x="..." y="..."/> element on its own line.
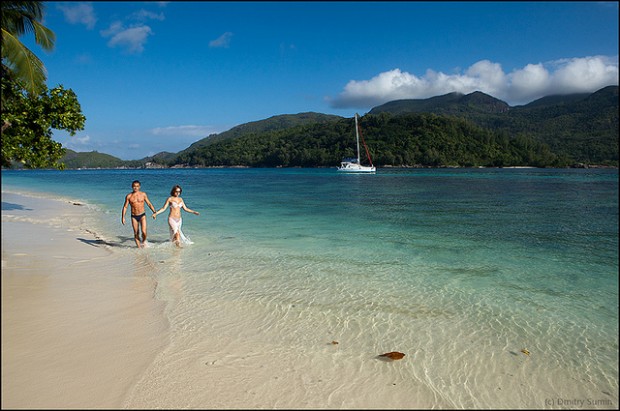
<point x="18" y="17"/>
<point x="24" y="64"/>
<point x="43" y="36"/>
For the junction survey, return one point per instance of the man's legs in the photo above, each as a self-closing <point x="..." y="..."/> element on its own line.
<point x="136" y="231"/>
<point x="143" y="225"/>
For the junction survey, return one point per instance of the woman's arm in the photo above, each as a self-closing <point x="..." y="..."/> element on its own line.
<point x="189" y="210"/>
<point x="163" y="208"/>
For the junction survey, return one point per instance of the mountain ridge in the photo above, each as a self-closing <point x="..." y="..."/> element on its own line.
<point x="561" y="121"/>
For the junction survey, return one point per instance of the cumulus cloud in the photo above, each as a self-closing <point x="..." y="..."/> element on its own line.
<point x="189" y="130"/>
<point x="131" y="39"/>
<point x="221" y="41"/>
<point x="521" y="86"/>
<point x="79" y="13"/>
<point x="132" y="36"/>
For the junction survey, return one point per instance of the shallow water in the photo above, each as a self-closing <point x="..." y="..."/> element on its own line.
<point x="460" y="269"/>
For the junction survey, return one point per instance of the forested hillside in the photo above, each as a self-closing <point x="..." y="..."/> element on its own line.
<point x="396" y="140"/>
<point x="584" y="129"/>
<point x="581" y="127"/>
<point x="451" y="130"/>
<point x="92" y="159"/>
<point x="270" y="124"/>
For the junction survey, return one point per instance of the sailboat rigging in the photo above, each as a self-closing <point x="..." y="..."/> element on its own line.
<point x="353" y="165"/>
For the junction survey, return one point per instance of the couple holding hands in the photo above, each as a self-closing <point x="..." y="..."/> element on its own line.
<point x="136" y="200"/>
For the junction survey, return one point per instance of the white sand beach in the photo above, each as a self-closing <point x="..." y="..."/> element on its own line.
<point x="79" y="323"/>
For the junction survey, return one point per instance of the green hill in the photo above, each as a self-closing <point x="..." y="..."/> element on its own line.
<point x="270" y="124"/>
<point x="556" y="100"/>
<point x="92" y="159"/>
<point x="155" y="161"/>
<point x="448" y="104"/>
<point x="415" y="139"/>
<point x="581" y="127"/>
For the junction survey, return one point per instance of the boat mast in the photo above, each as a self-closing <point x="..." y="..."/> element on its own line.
<point x="357" y="137"/>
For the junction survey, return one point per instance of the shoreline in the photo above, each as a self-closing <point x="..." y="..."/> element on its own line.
<point x="387" y="166"/>
<point x="80" y="323"/>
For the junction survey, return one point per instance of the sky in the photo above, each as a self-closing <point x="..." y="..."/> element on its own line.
<point x="159" y="76"/>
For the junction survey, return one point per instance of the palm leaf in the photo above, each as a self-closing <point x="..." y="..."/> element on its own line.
<point x="24" y="64"/>
<point x="43" y="36"/>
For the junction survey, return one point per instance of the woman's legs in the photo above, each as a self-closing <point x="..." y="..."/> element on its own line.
<point x="175" y="230"/>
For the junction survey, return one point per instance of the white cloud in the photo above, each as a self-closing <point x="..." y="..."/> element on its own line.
<point x="133" y="36"/>
<point x="78" y="144"/>
<point x="531" y="77"/>
<point x="521" y="86"/>
<point x="580" y="75"/>
<point x="189" y="130"/>
<point x="79" y="13"/>
<point x="222" y="41"/>
<point x="132" y="39"/>
<point x="144" y="15"/>
<point x="82" y="140"/>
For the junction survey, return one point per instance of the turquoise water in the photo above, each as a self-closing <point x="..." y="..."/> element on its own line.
<point x="459" y="268"/>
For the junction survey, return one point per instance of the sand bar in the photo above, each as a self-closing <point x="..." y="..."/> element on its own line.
<point x="80" y="323"/>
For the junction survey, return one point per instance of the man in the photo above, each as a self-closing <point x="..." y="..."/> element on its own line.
<point x="137" y="199"/>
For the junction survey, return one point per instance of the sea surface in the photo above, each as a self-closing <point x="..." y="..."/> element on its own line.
<point x="499" y="285"/>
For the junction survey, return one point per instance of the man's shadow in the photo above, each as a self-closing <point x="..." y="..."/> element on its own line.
<point x="123" y="242"/>
<point x="12" y="206"/>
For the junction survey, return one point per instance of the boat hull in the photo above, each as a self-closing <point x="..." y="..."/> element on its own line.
<point x="356" y="168"/>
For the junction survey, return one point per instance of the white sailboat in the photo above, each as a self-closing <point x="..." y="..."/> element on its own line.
<point x="353" y="165"/>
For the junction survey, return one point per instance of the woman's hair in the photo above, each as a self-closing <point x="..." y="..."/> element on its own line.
<point x="174" y="188"/>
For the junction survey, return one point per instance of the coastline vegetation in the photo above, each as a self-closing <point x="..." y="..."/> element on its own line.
<point x="402" y="140"/>
<point x="447" y="131"/>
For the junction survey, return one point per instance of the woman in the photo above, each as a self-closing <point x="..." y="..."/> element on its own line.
<point x="174" y="218"/>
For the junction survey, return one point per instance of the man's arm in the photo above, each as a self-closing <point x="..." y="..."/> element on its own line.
<point x="146" y="199"/>
<point x="163" y="208"/>
<point x="124" y="209"/>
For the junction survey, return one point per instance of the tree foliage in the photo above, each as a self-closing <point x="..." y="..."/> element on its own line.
<point x="28" y="120"/>
<point x="29" y="109"/>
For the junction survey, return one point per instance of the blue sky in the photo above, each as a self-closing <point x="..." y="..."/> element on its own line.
<point x="158" y="76"/>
